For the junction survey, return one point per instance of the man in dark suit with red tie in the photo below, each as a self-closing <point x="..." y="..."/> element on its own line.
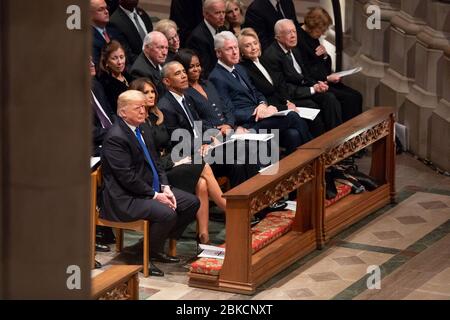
<point x="134" y="184"/>
<point x="102" y="31"/>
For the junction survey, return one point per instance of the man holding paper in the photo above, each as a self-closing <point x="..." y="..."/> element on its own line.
<point x="284" y="59"/>
<point x="318" y="62"/>
<point x="249" y="106"/>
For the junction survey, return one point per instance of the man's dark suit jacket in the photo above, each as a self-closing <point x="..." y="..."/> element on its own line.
<point x="142" y="67"/>
<point x="262" y="16"/>
<point x="202" y="42"/>
<point x="275" y="93"/>
<point x="122" y="22"/>
<point x="298" y="85"/>
<point x="187" y="14"/>
<point x="175" y="118"/>
<point x="127" y="176"/>
<point x="243" y="101"/>
<point x="99" y="132"/>
<point x="212" y="110"/>
<point x="98" y="42"/>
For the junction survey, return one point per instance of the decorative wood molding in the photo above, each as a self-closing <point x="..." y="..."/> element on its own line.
<point x="282" y="188"/>
<point x="355" y="144"/>
<point x="120" y="292"/>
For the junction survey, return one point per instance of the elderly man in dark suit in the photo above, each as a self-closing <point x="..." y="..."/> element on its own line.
<point x="283" y="58"/>
<point x="201" y="39"/>
<point x="150" y="61"/>
<point x="133" y="23"/>
<point x="250" y="106"/>
<point x="136" y="187"/>
<point x="261" y="15"/>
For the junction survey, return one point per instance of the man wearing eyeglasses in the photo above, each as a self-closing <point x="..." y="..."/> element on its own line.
<point x="150" y="61"/>
<point x="134" y="184"/>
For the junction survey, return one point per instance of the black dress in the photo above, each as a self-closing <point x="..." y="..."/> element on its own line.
<point x="320" y="68"/>
<point x="183" y="176"/>
<point x="114" y="87"/>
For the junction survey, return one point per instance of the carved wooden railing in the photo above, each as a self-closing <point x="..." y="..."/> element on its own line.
<point x="119" y="282"/>
<point x="374" y="128"/>
<point x="242" y="270"/>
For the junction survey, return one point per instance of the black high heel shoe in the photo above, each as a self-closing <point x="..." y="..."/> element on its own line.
<point x="345" y="178"/>
<point x="368" y="182"/>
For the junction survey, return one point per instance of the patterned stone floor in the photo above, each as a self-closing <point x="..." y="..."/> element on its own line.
<point x="409" y="242"/>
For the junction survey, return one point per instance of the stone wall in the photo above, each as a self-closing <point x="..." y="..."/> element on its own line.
<point x="406" y="65"/>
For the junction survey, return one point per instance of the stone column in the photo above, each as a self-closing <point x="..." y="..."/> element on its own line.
<point x="400" y="75"/>
<point x="440" y="121"/>
<point x="45" y="149"/>
<point x="422" y="100"/>
<point x="373" y="54"/>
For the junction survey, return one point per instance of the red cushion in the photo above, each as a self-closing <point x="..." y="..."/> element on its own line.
<point x="273" y="226"/>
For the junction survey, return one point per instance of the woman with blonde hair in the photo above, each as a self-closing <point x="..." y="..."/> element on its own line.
<point x="197" y="179"/>
<point x="234" y="15"/>
<point x="169" y="28"/>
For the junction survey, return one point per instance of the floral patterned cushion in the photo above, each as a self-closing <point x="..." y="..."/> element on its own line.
<point x="273" y="226"/>
<point x="342" y="191"/>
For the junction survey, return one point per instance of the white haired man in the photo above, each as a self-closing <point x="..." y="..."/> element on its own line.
<point x="150" y="61"/>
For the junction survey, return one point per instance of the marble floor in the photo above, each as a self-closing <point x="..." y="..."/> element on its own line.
<point x="401" y="251"/>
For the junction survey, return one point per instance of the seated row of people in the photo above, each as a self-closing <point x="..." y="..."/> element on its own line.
<point x="244" y="89"/>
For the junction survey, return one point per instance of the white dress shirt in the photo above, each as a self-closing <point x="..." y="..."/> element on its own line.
<point x="130" y="15"/>
<point x="180" y="102"/>
<point x="296" y="65"/>
<point x="263" y="70"/>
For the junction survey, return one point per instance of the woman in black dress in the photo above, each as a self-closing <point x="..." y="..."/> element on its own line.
<point x="194" y="178"/>
<point x="316" y="58"/>
<point x="112" y="74"/>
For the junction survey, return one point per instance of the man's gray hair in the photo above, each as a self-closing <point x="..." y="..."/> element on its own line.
<point x="219" y="39"/>
<point x="208" y="3"/>
<point x="278" y="25"/>
<point x="166" y="67"/>
<point x="148" y="39"/>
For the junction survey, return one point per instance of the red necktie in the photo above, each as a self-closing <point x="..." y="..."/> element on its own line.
<point x="105" y="35"/>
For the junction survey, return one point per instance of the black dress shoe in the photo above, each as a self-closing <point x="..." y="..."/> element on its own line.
<point x="162" y="257"/>
<point x="367" y="181"/>
<point x="102" y="248"/>
<point x="277" y="206"/>
<point x="98" y="265"/>
<point x="155" y="271"/>
<point x="105" y="235"/>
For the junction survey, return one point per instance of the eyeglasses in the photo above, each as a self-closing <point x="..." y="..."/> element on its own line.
<point x="175" y="37"/>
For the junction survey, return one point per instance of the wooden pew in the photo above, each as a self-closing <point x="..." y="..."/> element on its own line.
<point x="119" y="282"/>
<point x="374" y="128"/>
<point x="304" y="170"/>
<point x="243" y="271"/>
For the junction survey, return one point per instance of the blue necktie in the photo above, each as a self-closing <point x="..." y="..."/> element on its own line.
<point x="149" y="159"/>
